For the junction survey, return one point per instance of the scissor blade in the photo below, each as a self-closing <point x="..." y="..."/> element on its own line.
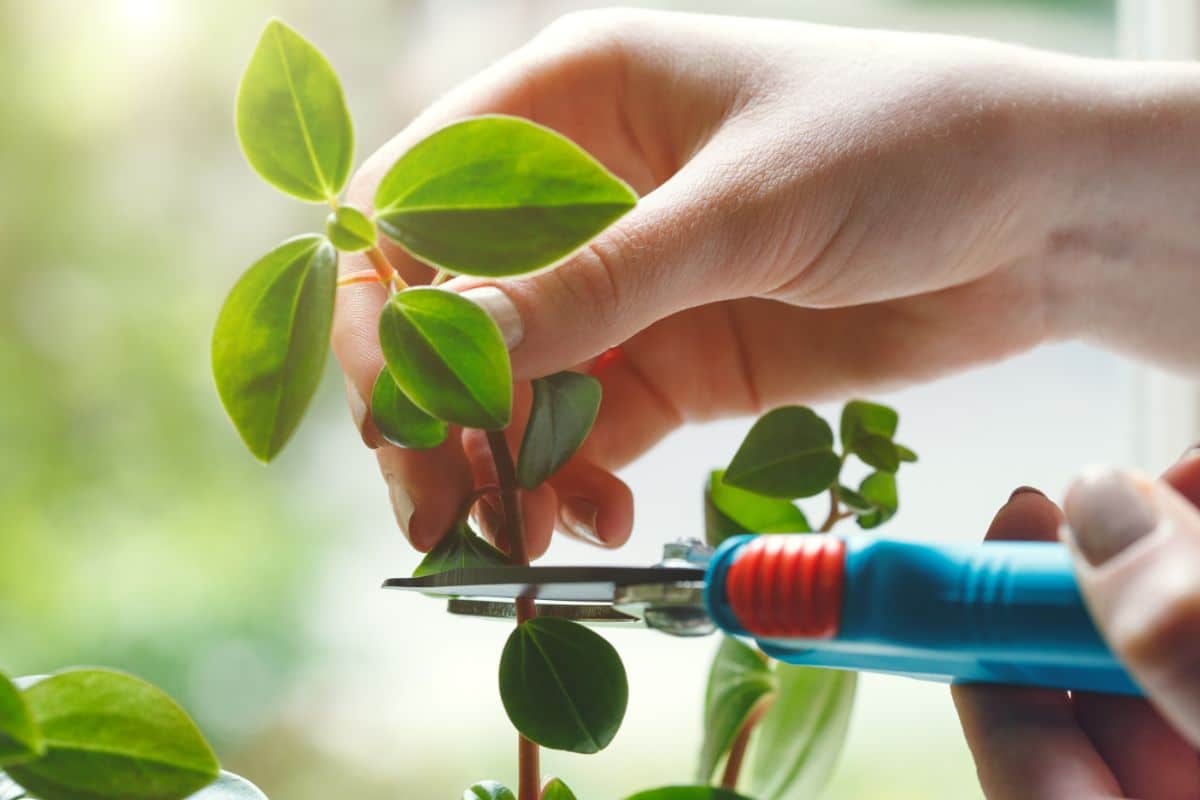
<point x="594" y="584"/>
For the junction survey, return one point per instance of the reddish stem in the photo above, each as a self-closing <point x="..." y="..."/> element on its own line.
<point x="737" y="753"/>
<point x="528" y="755"/>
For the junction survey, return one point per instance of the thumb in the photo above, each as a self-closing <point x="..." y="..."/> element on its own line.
<point x="673" y="251"/>
<point x="1136" y="546"/>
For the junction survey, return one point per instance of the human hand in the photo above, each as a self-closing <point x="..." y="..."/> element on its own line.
<point x="1136" y="546"/>
<point x="824" y="211"/>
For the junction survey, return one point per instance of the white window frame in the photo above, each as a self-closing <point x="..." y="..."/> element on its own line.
<point x="1167" y="406"/>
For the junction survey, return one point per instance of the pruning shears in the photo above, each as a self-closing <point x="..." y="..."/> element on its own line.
<point x="1006" y="612"/>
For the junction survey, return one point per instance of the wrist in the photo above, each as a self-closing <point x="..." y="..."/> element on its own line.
<point x="1122" y="180"/>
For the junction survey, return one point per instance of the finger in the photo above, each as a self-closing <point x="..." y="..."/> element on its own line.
<point x="594" y="505"/>
<point x="1136" y="548"/>
<point x="1026" y="742"/>
<point x="1148" y="757"/>
<point x="427" y="488"/>
<point x="538" y="506"/>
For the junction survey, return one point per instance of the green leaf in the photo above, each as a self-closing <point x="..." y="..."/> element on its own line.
<point x="563" y="685"/>
<point x="496" y="196"/>
<point x="399" y="420"/>
<point x="729" y="511"/>
<point x="350" y="230"/>
<point x="292" y="119"/>
<point x="447" y="355"/>
<point x="879" y="489"/>
<point x="861" y="416"/>
<point x="739" y="680"/>
<point x="788" y="454"/>
<point x="854" y="501"/>
<point x="488" y="790"/>
<point x="20" y="738"/>
<point x="271" y="341"/>
<point x="687" y="793"/>
<point x="110" y="735"/>
<point x="800" y="737"/>
<point x="555" y="789"/>
<point x="565" y="405"/>
<point x="905" y="454"/>
<point x="460" y="549"/>
<point x="229" y="787"/>
<point x="877" y="451"/>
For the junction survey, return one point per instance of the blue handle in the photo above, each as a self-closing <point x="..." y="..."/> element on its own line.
<point x="996" y="612"/>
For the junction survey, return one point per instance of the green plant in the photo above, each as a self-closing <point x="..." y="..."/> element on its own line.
<point x="91" y="734"/>
<point x="494" y="197"/>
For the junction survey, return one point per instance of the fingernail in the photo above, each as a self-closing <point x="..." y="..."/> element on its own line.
<point x="1025" y="490"/>
<point x="362" y="416"/>
<point x="502" y="310"/>
<point x="1106" y="513"/>
<point x="1190" y="453"/>
<point x="402" y="504"/>
<point x="578" y="518"/>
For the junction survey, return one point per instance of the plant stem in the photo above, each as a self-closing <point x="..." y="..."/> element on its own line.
<point x="528" y="756"/>
<point x="737" y="753"/>
<point x="441" y="277"/>
<point x="384" y="269"/>
<point x="834" y="511"/>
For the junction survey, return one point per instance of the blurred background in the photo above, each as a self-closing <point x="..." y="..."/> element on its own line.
<point x="136" y="532"/>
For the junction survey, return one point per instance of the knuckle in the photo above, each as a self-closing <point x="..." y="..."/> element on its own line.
<point x="1163" y="641"/>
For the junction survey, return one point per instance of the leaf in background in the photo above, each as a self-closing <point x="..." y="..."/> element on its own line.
<point x="879" y="489"/>
<point x="292" y="119"/>
<point x="563" y="685"/>
<point x="229" y="787"/>
<point x="905" y="454"/>
<point x="738" y="681"/>
<point x="801" y="736"/>
<point x="687" y="793"/>
<point x="496" y="196"/>
<point x="854" y="501"/>
<point x="729" y="511"/>
<point x="488" y="790"/>
<point x="447" y="355"/>
<point x="399" y="420"/>
<point x="564" y="408"/>
<point x="877" y="451"/>
<point x="555" y="789"/>
<point x="460" y="549"/>
<point x="787" y="454"/>
<point x="271" y="340"/>
<point x="112" y="735"/>
<point x="20" y="738"/>
<point x="860" y="416"/>
<point x="350" y="230"/>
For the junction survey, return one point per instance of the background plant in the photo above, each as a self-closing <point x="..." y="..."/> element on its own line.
<point x="92" y="734"/>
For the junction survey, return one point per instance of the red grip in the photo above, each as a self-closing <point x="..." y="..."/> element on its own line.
<point x="782" y="587"/>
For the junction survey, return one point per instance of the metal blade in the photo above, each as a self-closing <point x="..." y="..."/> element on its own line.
<point x="590" y="584"/>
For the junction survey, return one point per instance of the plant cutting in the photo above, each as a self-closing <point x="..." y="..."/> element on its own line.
<point x="497" y="197"/>
<point x="93" y="734"/>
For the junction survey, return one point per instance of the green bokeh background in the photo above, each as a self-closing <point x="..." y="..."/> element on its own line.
<point x="136" y="533"/>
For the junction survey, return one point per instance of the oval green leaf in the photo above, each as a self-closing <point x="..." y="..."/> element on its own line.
<point x="398" y="418"/>
<point x="350" y="230"/>
<point x="271" y="341"/>
<point x="447" y="355"/>
<point x="879" y="489"/>
<point x="853" y="501"/>
<point x="292" y="119"/>
<point x="229" y="787"/>
<point x="460" y="549"/>
<point x="564" y="408"/>
<point x="861" y="416"/>
<point x="112" y="735"/>
<point x="905" y="453"/>
<point x="20" y="737"/>
<point x="555" y="789"/>
<point x="489" y="790"/>
<point x="877" y="451"/>
<point x="729" y="511"/>
<point x="496" y="196"/>
<point x="563" y="685"/>
<point x="739" y="680"/>
<point x="687" y="793"/>
<point x="787" y="454"/>
<point x="799" y="739"/>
